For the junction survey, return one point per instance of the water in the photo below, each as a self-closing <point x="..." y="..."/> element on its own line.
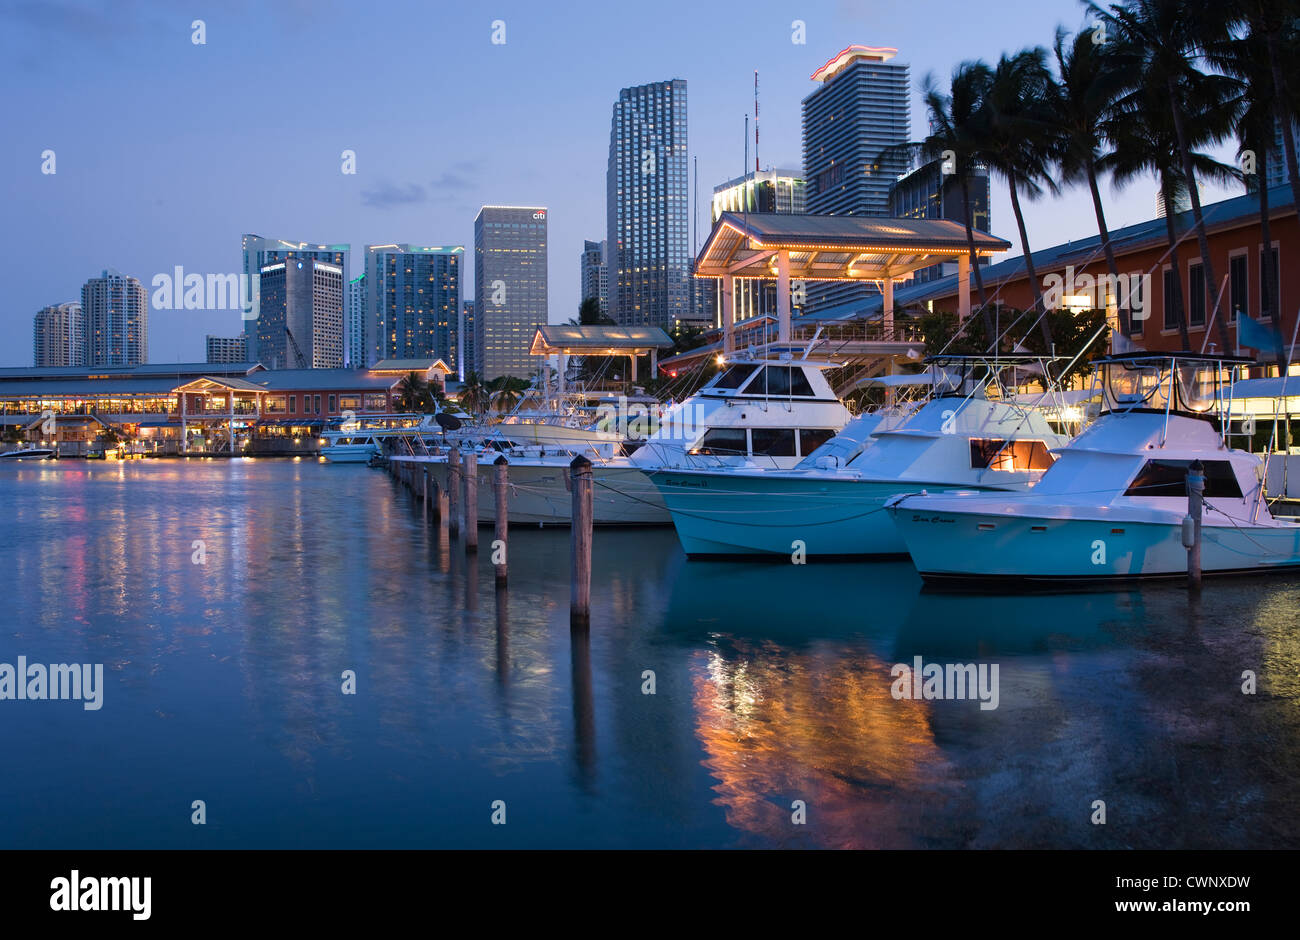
<point x="223" y="684"/>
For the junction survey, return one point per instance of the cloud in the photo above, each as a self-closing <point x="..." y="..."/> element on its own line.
<point x="391" y="195"/>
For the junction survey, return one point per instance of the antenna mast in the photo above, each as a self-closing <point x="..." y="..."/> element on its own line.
<point x="756" y="166"/>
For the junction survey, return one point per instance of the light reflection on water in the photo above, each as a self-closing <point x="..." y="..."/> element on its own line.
<point x="773" y="685"/>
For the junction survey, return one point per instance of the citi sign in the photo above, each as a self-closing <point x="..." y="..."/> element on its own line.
<point x="540" y="214"/>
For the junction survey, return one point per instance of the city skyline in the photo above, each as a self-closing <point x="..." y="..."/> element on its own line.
<point x="187" y="192"/>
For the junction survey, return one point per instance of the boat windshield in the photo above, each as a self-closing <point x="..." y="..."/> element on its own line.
<point x="1135" y="384"/>
<point x="1197" y="384"/>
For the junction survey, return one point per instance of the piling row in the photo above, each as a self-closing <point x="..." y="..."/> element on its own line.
<point x="455" y="506"/>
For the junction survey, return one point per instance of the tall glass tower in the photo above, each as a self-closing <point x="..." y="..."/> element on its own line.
<point x="646" y="185"/>
<point x="115" y="309"/>
<point x="413" y="292"/>
<point x="258" y="253"/>
<point x="509" y="287"/>
<point x="849" y="125"/>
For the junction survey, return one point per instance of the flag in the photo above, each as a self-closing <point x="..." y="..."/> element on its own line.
<point x="1257" y="336"/>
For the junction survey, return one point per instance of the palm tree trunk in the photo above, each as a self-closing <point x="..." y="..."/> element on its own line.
<point x="1178" y="281"/>
<point x="1044" y="327"/>
<point x="987" y="315"/>
<point x="1207" y="266"/>
<point x="1268" y="278"/>
<point x="1106" y="246"/>
<point x="1284" y="121"/>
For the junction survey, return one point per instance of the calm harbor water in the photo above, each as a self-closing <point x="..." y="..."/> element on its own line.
<point x="773" y="684"/>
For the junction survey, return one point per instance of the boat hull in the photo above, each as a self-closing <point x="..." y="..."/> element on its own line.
<point x="767" y="514"/>
<point x="991" y="549"/>
<point x="538" y="495"/>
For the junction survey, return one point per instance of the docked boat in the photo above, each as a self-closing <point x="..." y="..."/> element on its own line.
<point x="357" y="440"/>
<point x="756" y="412"/>
<point x="28" y="453"/>
<point x="969" y="434"/>
<point x="1112" y="506"/>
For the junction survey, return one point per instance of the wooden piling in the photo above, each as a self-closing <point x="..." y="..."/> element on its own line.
<point x="453" y="488"/>
<point x="424" y="490"/>
<point x="1195" y="511"/>
<point x="501" y="530"/>
<point x="471" y="502"/>
<point x="580" y="543"/>
<point x="442" y="513"/>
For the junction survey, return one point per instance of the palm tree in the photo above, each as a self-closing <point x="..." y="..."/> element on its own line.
<point x="413" y="392"/>
<point x="1144" y="140"/>
<point x="1091" y="80"/>
<point x="1245" y="57"/>
<point x="505" y="393"/>
<point x="1016" y="141"/>
<point x="954" y="119"/>
<point x="1166" y="37"/>
<point x="473" y="395"/>
<point x="1276" y="23"/>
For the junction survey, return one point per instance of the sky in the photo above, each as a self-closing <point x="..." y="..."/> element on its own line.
<point x="167" y="151"/>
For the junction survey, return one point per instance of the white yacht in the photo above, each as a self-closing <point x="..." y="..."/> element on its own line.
<point x="755" y="412"/>
<point x="1112" y="507"/>
<point x="357" y="440"/>
<point x="969" y="434"/>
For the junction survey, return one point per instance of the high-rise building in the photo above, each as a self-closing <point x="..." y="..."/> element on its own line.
<point x="509" y="287"/>
<point x="413" y="296"/>
<point x="595" y="274"/>
<point x="227" y="348"/>
<point x="356" y="340"/>
<point x="116" y="311"/>
<point x="929" y="193"/>
<point x="260" y="252"/>
<point x="850" y="124"/>
<point x="646" y="186"/>
<point x="300" y="321"/>
<point x="471" y="340"/>
<point x="768" y="190"/>
<point x="59" y="336"/>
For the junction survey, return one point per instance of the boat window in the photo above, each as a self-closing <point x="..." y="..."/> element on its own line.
<point x="1169" y="478"/>
<point x="734" y="377"/>
<point x="812" y="438"/>
<point x="723" y="442"/>
<point x="778" y="381"/>
<point x="1133" y="385"/>
<point x="773" y="442"/>
<point x="799" y="384"/>
<point x="1018" y="456"/>
<point x="1197" y="385"/>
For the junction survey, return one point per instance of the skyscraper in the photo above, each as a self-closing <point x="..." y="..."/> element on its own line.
<point x="646" y="184"/>
<point x="770" y="190"/>
<point x="226" y="348"/>
<point x="260" y="252"/>
<point x="509" y="287"/>
<point x="595" y="274"/>
<point x="356" y="340"/>
<point x="300" y="322"/>
<point x="413" y="298"/>
<point x="59" y="336"/>
<point x="116" y="311"/>
<point x="929" y="193"/>
<point x="859" y="111"/>
<point x="471" y="340"/>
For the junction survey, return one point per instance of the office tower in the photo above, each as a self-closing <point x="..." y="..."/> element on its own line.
<point x="595" y="274"/>
<point x="858" y="112"/>
<point x="59" y="336"/>
<point x="770" y="190"/>
<point x="300" y="323"/>
<point x="413" y="298"/>
<point x="509" y="287"/>
<point x="260" y="252"/>
<point x="356" y="340"/>
<point x="116" y="312"/>
<point x="227" y="348"/>
<point x="471" y="338"/>
<point x="648" y="250"/>
<point x="929" y="193"/>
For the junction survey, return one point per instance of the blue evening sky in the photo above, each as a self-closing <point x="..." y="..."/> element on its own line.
<point x="166" y="152"/>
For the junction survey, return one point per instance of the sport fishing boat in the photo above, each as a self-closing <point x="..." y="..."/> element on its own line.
<point x="756" y="412"/>
<point x="1113" y="505"/>
<point x="969" y="434"/>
